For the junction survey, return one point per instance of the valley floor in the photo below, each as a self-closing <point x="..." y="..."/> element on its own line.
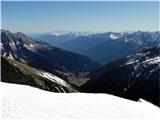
<point x="25" y="102"/>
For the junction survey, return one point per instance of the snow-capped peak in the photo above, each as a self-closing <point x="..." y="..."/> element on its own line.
<point x="113" y="36"/>
<point x="75" y="33"/>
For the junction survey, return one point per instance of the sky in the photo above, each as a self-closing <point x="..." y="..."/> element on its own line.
<point x="45" y="16"/>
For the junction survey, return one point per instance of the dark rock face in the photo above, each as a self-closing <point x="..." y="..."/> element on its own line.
<point x="134" y="77"/>
<point x="18" y="73"/>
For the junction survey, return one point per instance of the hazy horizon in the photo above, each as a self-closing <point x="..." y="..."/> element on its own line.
<point x="49" y="16"/>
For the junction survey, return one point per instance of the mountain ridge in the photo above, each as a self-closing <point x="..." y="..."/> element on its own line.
<point x="108" y="46"/>
<point x="136" y="76"/>
<point x="19" y="73"/>
<point x="43" y="56"/>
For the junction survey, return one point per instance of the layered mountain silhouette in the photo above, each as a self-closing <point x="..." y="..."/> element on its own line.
<point x="104" y="47"/>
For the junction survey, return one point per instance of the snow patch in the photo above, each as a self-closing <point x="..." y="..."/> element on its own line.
<point x="56" y="34"/>
<point x="155" y="60"/>
<point x="125" y="39"/>
<point x="13" y="46"/>
<point x="52" y="78"/>
<point x="141" y="54"/>
<point x="4" y="54"/>
<point x="10" y="56"/>
<point x="30" y="47"/>
<point x="113" y="37"/>
<point x="131" y="61"/>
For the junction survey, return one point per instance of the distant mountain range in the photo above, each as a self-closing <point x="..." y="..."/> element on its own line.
<point x="136" y="76"/>
<point x="102" y="47"/>
<point x="57" y="38"/>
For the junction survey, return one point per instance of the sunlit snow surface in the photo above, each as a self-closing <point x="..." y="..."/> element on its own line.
<point x="25" y="102"/>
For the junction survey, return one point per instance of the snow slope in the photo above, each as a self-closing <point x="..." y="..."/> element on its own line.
<point x="52" y="78"/>
<point x="25" y="102"/>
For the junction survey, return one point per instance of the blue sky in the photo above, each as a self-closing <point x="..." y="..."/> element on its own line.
<point x="80" y="16"/>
